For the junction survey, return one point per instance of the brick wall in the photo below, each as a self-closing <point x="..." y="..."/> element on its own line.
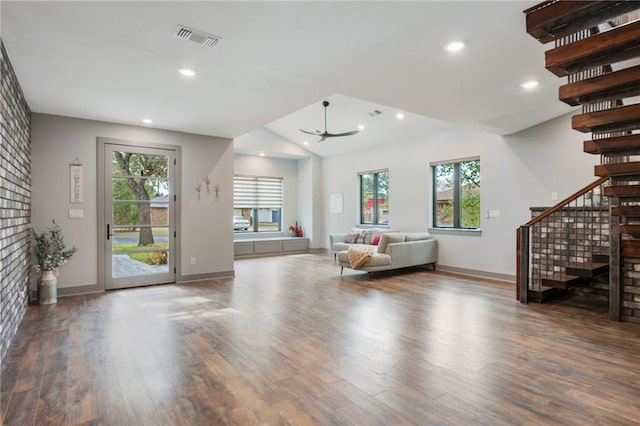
<point x="631" y="290"/>
<point x="15" y="202"/>
<point x="551" y="242"/>
<point x="571" y="235"/>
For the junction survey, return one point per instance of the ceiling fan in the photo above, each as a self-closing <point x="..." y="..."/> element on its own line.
<point x="324" y="135"/>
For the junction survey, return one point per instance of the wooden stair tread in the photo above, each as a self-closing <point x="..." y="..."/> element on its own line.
<point x="618" y="85"/>
<point x="587" y="269"/>
<point x="550" y="20"/>
<point x="625" y="211"/>
<point x="631" y="248"/>
<point x="616" y="45"/>
<point x="618" y="169"/>
<point x="627" y="144"/>
<point x="622" y="118"/>
<point x="622" y="191"/>
<point x="629" y="229"/>
<point x="545" y="294"/>
<point x="600" y="257"/>
<point x="562" y="280"/>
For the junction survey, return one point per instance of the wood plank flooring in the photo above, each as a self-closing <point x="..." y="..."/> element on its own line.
<point x="288" y="341"/>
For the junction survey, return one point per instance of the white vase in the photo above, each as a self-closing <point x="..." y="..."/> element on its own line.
<point x="47" y="288"/>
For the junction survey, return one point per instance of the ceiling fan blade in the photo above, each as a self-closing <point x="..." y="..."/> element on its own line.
<point x="335" y="135"/>
<point x="309" y="133"/>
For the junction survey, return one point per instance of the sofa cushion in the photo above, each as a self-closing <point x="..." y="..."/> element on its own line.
<point x="388" y="238"/>
<point x="344" y="246"/>
<point x="378" y="259"/>
<point x="417" y="236"/>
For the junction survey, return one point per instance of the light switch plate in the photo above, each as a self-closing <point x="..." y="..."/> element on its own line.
<point x="76" y="213"/>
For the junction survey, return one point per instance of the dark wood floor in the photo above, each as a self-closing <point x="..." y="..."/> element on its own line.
<point x="289" y="342"/>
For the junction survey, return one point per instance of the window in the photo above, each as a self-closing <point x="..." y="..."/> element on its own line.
<point x="374" y="198"/>
<point x="257" y="204"/>
<point x="456" y="194"/>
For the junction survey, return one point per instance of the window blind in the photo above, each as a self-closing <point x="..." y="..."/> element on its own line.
<point x="250" y="192"/>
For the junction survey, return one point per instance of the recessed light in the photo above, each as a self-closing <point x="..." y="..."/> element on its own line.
<point x="305" y="142"/>
<point x="399" y="116"/>
<point x="147" y="120"/>
<point x="361" y="126"/>
<point x="455" y="46"/>
<point x="187" y="72"/>
<point x="528" y="85"/>
<point x="262" y="154"/>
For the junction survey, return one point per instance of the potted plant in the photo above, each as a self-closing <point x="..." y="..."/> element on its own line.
<point x="51" y="253"/>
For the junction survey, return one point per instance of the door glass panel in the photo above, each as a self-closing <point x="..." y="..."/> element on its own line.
<point x="140" y="217"/>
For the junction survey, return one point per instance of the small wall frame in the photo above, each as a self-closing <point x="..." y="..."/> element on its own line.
<point x="76" y="184"/>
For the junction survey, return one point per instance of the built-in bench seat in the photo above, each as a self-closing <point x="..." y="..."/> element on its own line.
<point x="266" y="246"/>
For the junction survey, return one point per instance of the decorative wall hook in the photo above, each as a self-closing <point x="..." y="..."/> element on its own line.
<point x="207" y="182"/>
<point x="198" y="189"/>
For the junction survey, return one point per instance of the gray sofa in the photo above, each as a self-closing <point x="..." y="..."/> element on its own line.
<point x="397" y="250"/>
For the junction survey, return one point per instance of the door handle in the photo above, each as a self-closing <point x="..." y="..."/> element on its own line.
<point x="109" y="234"/>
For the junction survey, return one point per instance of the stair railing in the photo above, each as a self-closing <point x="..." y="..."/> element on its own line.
<point x="570" y="232"/>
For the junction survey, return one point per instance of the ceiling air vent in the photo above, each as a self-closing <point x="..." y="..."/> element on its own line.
<point x="196" y="36"/>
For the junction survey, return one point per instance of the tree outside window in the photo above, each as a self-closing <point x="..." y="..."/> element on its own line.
<point x="457" y="194"/>
<point x="138" y="177"/>
<point x="374" y="198"/>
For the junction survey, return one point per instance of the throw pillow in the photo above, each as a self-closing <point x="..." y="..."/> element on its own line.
<point x="361" y="235"/>
<point x="376" y="240"/>
<point x="368" y="235"/>
<point x="352" y="238"/>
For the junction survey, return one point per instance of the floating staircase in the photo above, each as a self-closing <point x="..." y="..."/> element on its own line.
<point x="597" y="47"/>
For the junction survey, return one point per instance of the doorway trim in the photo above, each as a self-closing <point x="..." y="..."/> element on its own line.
<point x="101" y="217"/>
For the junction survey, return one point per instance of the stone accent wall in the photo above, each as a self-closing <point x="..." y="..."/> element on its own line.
<point x="589" y="229"/>
<point x="631" y="290"/>
<point x="15" y="202"/>
<point x="571" y="235"/>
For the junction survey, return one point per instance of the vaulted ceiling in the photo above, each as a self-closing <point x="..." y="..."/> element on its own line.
<point x="277" y="61"/>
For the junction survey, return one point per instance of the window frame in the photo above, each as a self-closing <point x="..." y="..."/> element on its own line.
<point x="255" y="210"/>
<point x="457" y="196"/>
<point x="376" y="197"/>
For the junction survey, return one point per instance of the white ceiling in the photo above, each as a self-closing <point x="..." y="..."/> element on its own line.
<point x="118" y="61"/>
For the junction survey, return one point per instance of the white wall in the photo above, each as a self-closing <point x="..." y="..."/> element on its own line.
<point x="310" y="206"/>
<point x="205" y="225"/>
<point x="518" y="171"/>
